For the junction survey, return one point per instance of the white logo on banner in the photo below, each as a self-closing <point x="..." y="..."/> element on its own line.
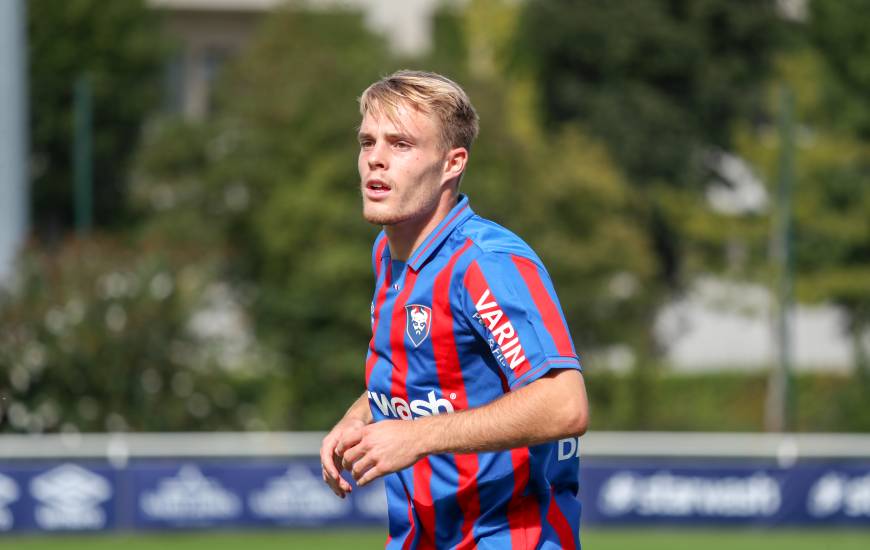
<point x="663" y="494"/>
<point x="372" y="500"/>
<point x="298" y="494"/>
<point x="190" y="496"/>
<point x="70" y="497"/>
<point x="834" y="492"/>
<point x="8" y="495"/>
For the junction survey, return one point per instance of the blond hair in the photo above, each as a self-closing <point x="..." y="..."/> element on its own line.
<point x="429" y="93"/>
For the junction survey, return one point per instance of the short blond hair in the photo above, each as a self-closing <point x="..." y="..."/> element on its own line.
<point x="430" y="93"/>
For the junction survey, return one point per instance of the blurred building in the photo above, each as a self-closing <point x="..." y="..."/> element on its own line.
<point x="720" y="324"/>
<point x="210" y="32"/>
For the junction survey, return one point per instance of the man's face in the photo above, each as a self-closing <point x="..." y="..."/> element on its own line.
<point x="401" y="166"/>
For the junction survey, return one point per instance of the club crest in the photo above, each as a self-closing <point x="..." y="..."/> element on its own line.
<point x="418" y="321"/>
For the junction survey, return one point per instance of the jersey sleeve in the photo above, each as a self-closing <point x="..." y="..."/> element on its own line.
<point x="511" y="303"/>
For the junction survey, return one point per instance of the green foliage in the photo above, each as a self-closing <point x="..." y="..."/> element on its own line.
<point x="661" y="83"/>
<point x="831" y="215"/>
<point x="728" y="401"/>
<point x="593" y="149"/>
<point x="116" y="45"/>
<point x="282" y="143"/>
<point x="272" y="175"/>
<point x="839" y="31"/>
<point x="657" y="80"/>
<point x="97" y="335"/>
<point x="574" y="213"/>
<point x="559" y="189"/>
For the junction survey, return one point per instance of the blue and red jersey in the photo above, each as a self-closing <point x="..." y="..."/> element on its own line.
<point x="470" y="316"/>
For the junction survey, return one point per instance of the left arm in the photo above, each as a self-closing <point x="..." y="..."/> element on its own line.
<point x="552" y="407"/>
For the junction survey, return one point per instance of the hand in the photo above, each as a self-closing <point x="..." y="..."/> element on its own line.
<point x="349" y="430"/>
<point x="384" y="447"/>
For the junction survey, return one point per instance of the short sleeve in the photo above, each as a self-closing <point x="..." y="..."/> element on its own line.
<point x="511" y="303"/>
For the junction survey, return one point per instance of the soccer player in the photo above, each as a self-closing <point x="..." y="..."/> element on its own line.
<point x="475" y="399"/>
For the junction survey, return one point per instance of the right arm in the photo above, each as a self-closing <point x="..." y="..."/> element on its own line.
<point x="358" y="416"/>
<point x="349" y="428"/>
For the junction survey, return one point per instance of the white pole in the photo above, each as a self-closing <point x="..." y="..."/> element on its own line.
<point x="13" y="133"/>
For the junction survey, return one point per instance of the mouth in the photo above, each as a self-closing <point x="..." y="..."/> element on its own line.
<point x="376" y="188"/>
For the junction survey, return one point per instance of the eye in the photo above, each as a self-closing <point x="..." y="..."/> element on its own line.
<point x="402" y="145"/>
<point x="365" y="144"/>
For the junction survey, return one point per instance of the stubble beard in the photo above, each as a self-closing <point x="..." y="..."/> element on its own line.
<point x="403" y="208"/>
<point x="392" y="216"/>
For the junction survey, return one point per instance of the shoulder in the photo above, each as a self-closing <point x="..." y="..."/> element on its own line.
<point x="496" y="246"/>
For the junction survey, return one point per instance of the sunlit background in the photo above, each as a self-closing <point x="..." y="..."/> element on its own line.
<point x="185" y="275"/>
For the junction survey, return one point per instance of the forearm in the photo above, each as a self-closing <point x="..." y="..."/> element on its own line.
<point x="360" y="410"/>
<point x="553" y="407"/>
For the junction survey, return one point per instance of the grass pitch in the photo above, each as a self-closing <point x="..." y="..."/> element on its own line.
<point x="592" y="539"/>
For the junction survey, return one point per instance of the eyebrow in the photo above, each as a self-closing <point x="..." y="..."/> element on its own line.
<point x="393" y="136"/>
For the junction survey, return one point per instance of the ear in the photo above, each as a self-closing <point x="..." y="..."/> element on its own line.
<point x="454" y="163"/>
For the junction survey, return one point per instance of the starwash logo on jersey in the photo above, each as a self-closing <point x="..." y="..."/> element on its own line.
<point x="399" y="408"/>
<point x="504" y="343"/>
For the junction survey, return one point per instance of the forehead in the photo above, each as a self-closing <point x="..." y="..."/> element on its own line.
<point x="402" y="119"/>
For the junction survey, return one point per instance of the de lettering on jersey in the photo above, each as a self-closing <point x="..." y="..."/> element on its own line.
<point x="504" y="342"/>
<point x="399" y="408"/>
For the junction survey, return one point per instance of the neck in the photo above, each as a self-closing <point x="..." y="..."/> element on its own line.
<point x="405" y="237"/>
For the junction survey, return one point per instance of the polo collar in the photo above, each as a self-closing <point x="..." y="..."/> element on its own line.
<point x="461" y="212"/>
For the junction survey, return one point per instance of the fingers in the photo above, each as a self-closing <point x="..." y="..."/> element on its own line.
<point x="331" y="467"/>
<point x="347" y="450"/>
<point x="338" y="484"/>
<point x="351" y="456"/>
<point x="344" y="485"/>
<point x="327" y="459"/>
<point x="333" y="485"/>
<point x="361" y="466"/>
<point x="348" y="439"/>
<point x="370" y="475"/>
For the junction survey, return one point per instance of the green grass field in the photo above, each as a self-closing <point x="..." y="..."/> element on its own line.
<point x="597" y="539"/>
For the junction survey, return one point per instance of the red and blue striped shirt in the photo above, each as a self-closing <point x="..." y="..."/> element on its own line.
<point x="470" y="316"/>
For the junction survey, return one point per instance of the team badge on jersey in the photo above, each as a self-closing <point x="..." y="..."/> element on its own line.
<point x="418" y="321"/>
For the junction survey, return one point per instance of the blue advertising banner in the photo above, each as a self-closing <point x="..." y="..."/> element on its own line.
<point x="58" y="497"/>
<point x="681" y="493"/>
<point x="191" y="494"/>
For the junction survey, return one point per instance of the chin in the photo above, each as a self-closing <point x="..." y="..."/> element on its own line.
<point x="378" y="216"/>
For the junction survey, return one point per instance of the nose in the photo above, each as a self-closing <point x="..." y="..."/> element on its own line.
<point x="377" y="157"/>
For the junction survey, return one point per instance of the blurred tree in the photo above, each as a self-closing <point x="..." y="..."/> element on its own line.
<point x="274" y="171"/>
<point x="100" y="333"/>
<point x="839" y="32"/>
<point x="831" y="208"/>
<point x="559" y="189"/>
<point x="273" y="175"/>
<point x="841" y="273"/>
<point x="116" y="45"/>
<point x="660" y="81"/>
<point x="832" y="197"/>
